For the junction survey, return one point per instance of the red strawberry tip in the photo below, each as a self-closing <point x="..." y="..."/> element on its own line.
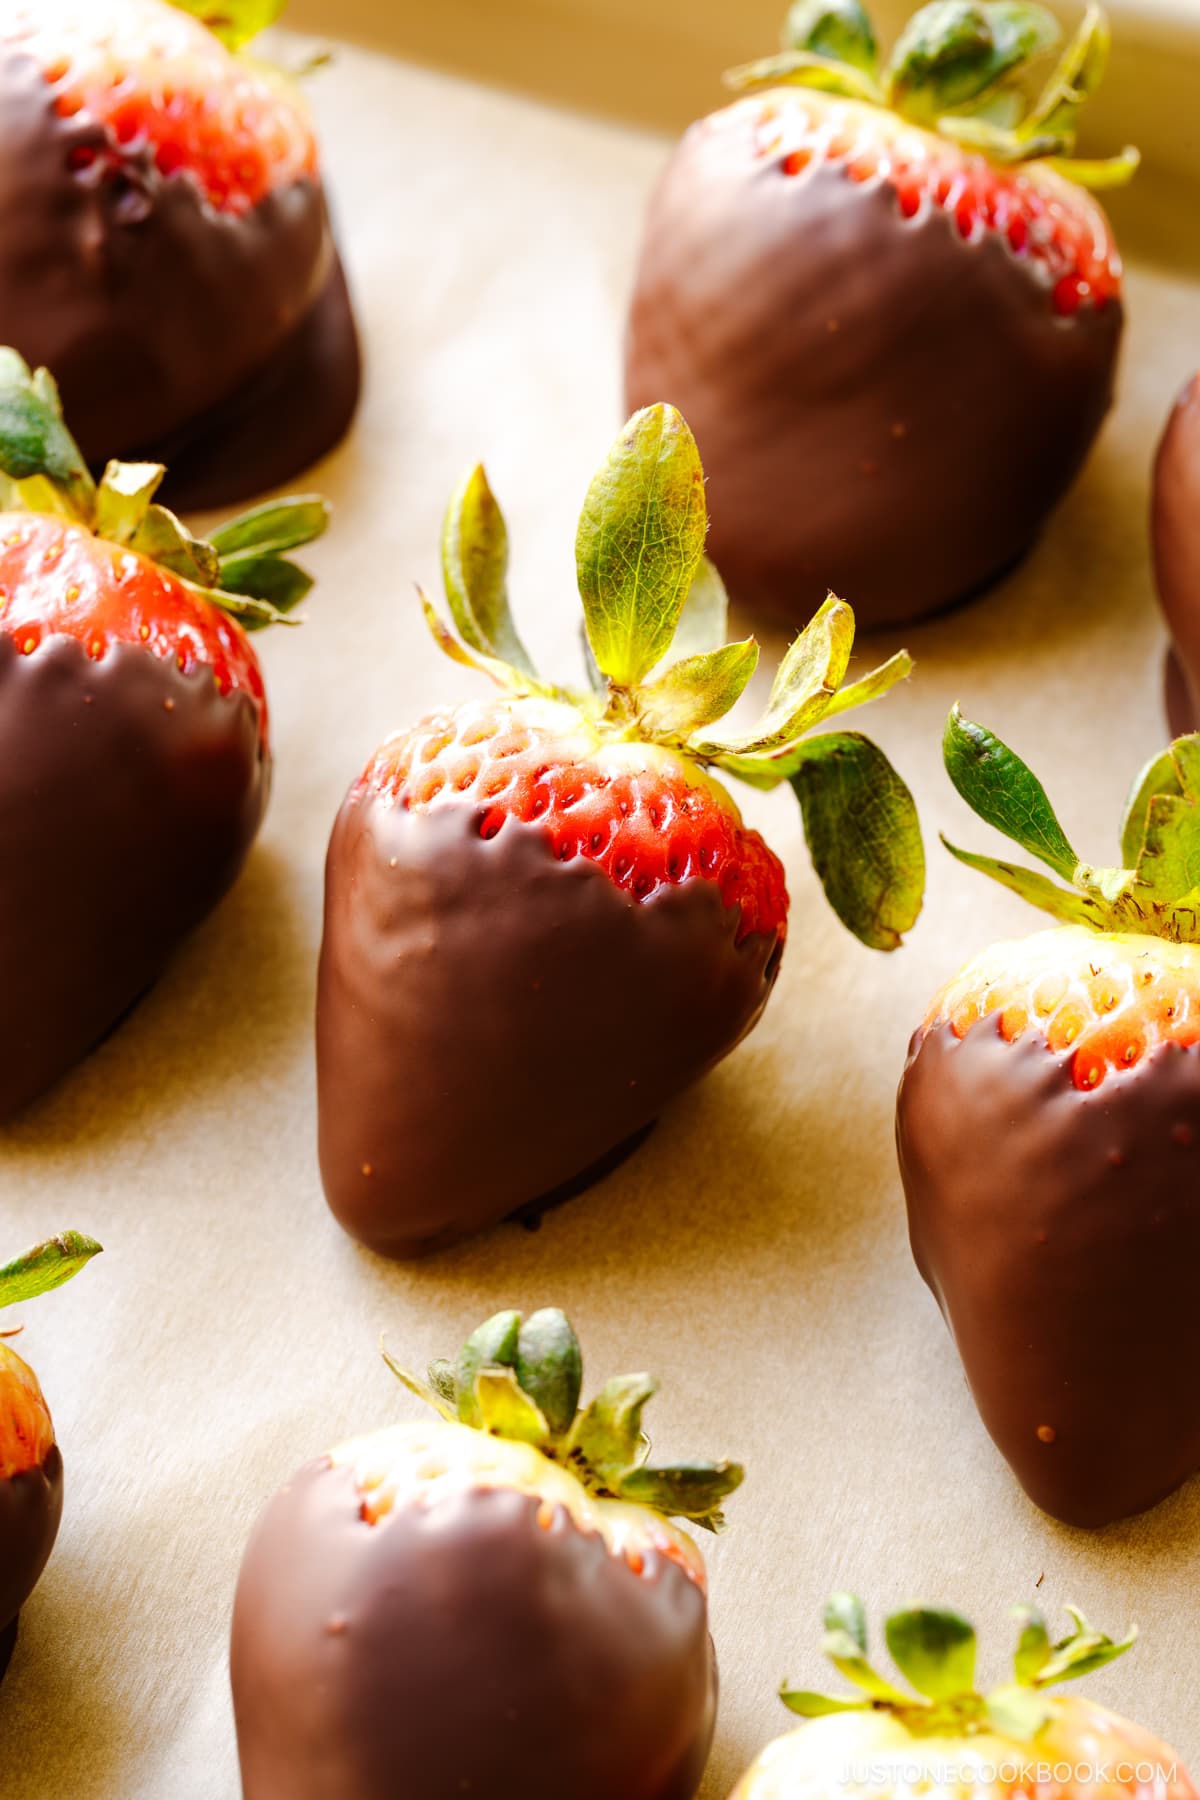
<point x="521" y="1378"/>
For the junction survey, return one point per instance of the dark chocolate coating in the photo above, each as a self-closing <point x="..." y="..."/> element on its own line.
<point x="459" y="1649"/>
<point x="491" y="1021"/>
<point x="882" y="408"/>
<point x="129" y="796"/>
<point x="156" y="312"/>
<point x="30" y="1510"/>
<point x="1175" y="535"/>
<point x="1060" y="1233"/>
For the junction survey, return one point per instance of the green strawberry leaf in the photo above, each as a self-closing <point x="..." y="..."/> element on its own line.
<point x="274" y="527"/>
<point x="430" y="1392"/>
<point x="1078" y="74"/>
<point x="953" y="53"/>
<point x="807" y="680"/>
<point x="441" y="1380"/>
<point x="35" y="444"/>
<point x="123" y="499"/>
<point x="846" y="1612"/>
<point x="692" y="1491"/>
<point x="819" y="1706"/>
<point x="695" y="692"/>
<point x="492" y="1345"/>
<point x="1063" y="904"/>
<point x="1033" y="1645"/>
<point x="704" y="622"/>
<point x="167" y="541"/>
<point x="805" y="68"/>
<point x="549" y="1366"/>
<point x="848" y="1659"/>
<point x="871" y="686"/>
<point x="640" y="539"/>
<point x="864" y="836"/>
<point x="235" y="22"/>
<point x="251" y="614"/>
<point x="47" y="1266"/>
<point x="1017" y="1712"/>
<point x="282" y="583"/>
<point x="838" y="30"/>
<point x="475" y="572"/>
<point x="502" y="673"/>
<point x="608" y="1435"/>
<point x="503" y="1408"/>
<point x="1002" y="791"/>
<point x="1082" y="1652"/>
<point x="935" y="1650"/>
<point x="1160" y="776"/>
<point x="1098" y="173"/>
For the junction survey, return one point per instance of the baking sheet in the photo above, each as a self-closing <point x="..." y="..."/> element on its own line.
<point x="754" y="1252"/>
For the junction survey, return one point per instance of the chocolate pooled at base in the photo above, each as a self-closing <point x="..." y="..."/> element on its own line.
<point x="491" y="1021"/>
<point x="165" y="320"/>
<point x="571" y="1674"/>
<point x="1059" y="1230"/>
<point x="826" y="351"/>
<point x="130" y="794"/>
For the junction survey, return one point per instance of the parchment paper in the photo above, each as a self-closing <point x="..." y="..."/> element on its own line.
<point x="754" y="1253"/>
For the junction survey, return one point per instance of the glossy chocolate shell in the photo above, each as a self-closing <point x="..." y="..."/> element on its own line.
<point x="1059" y="1230"/>
<point x="491" y="1021"/>
<point x="457" y="1648"/>
<point x="129" y="796"/>
<point x="1175" y="533"/>
<point x="162" y="318"/>
<point x="882" y="407"/>
<point x="30" y="1510"/>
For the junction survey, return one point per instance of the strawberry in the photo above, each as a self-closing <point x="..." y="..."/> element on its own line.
<point x="134" y="737"/>
<point x="31" y="1471"/>
<point x="824" y="259"/>
<point x="498" y="1602"/>
<point x="1175" y="533"/>
<point x="164" y="243"/>
<point x="1048" y="1123"/>
<point x="544" y="914"/>
<point x="946" y="1736"/>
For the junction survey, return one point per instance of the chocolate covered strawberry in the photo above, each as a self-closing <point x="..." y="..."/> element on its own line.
<point x="886" y="303"/>
<point x="497" y="1602"/>
<point x="164" y="241"/>
<point x="31" y="1467"/>
<point x="944" y="1736"/>
<point x="134" y="750"/>
<point x="1175" y="533"/>
<point x="1048" y="1125"/>
<point x="544" y="916"/>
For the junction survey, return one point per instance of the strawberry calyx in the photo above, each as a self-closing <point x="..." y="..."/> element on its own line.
<point x="959" y="68"/>
<point x="661" y="673"/>
<point x="935" y="1650"/>
<point x="521" y="1379"/>
<point x="243" y="569"/>
<point x="235" y="22"/>
<point x="1154" y="893"/>
<point x="46" y="1266"/>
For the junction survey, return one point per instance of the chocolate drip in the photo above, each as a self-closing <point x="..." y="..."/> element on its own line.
<point x="30" y="1510"/>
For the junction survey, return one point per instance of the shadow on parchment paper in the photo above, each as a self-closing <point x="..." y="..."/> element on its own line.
<point x="241" y="987"/>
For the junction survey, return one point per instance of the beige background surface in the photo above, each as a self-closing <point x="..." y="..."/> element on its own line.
<point x="754" y="1253"/>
